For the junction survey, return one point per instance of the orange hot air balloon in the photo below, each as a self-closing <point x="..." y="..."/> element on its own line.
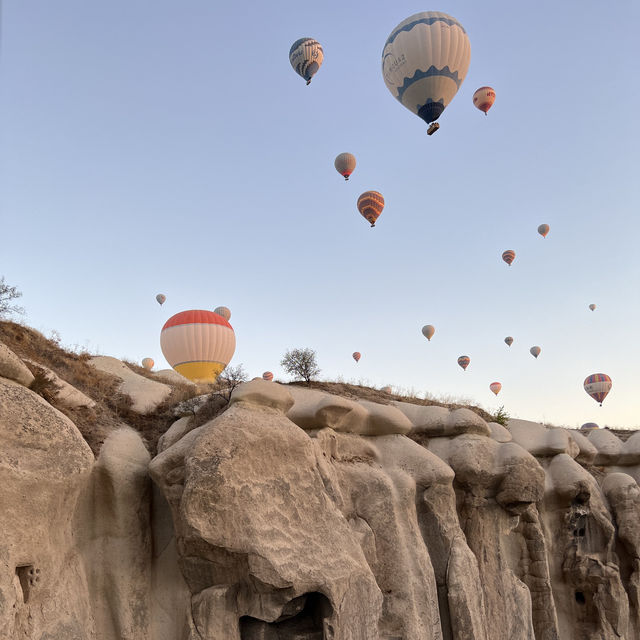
<point x="268" y="376"/>
<point x="464" y="361"/>
<point x="148" y="363"/>
<point x="356" y="356"/>
<point x="495" y="387"/>
<point x="509" y="256"/>
<point x="198" y="344"/>
<point x="370" y="206"/>
<point x="483" y="99"/>
<point x="543" y="229"/>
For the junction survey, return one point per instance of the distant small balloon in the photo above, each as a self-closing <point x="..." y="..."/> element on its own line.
<point x="356" y="356"/>
<point x="543" y="229"/>
<point x="224" y="312"/>
<point x="589" y="426"/>
<point x="370" y="205"/>
<point x="428" y="330"/>
<point x="268" y="376"/>
<point x="345" y="163"/>
<point x="306" y="56"/>
<point x="148" y="363"/>
<point x="598" y="385"/>
<point x="535" y="351"/>
<point x="509" y="340"/>
<point x="509" y="256"/>
<point x="464" y="361"/>
<point x="161" y="298"/>
<point x="483" y="98"/>
<point x="387" y="389"/>
<point x="495" y="387"/>
<point x="593" y="307"/>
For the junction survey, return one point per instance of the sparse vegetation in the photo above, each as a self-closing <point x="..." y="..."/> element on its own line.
<point x="501" y="416"/>
<point x="228" y="380"/>
<point x="301" y="363"/>
<point x="7" y="295"/>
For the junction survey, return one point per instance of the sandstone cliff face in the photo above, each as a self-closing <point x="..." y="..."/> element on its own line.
<point x="298" y="515"/>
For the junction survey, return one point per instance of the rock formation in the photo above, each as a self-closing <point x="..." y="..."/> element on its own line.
<point x="301" y="515"/>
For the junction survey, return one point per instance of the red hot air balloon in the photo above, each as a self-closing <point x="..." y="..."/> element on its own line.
<point x="598" y="385"/>
<point x="370" y="206"/>
<point x="268" y="376"/>
<point x="464" y="361"/>
<point x="483" y="99"/>
<point x="356" y="356"/>
<point x="543" y="229"/>
<point x="495" y="387"/>
<point x="509" y="256"/>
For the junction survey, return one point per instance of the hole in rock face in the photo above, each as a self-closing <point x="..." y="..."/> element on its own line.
<point x="304" y="618"/>
<point x="29" y="576"/>
<point x="580" y="599"/>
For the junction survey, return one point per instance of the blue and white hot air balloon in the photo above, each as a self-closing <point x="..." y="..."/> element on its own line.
<point x="424" y="62"/>
<point x="306" y="56"/>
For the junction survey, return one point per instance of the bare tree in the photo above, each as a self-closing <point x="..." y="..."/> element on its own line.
<point x="7" y="294"/>
<point x="229" y="379"/>
<point x="301" y="363"/>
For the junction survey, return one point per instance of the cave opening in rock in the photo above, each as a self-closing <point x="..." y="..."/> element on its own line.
<point x="304" y="618"/>
<point x="28" y="576"/>
<point x="580" y="599"/>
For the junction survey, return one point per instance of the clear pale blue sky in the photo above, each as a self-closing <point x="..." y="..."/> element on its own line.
<point x="169" y="147"/>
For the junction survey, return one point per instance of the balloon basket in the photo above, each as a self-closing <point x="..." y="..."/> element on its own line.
<point x="433" y="127"/>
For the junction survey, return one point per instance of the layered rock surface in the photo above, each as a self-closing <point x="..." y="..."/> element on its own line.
<point x="300" y="515"/>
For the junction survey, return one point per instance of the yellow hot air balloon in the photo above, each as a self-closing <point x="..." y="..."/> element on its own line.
<point x="543" y="229"/>
<point x="198" y="344"/>
<point x="268" y="376"/>
<point x="535" y="351"/>
<point x="509" y="256"/>
<point x="495" y="387"/>
<point x="345" y="163"/>
<point x="306" y="56"/>
<point x="224" y="312"/>
<point x="148" y="363"/>
<point x="428" y="330"/>
<point x="370" y="206"/>
<point x="424" y="62"/>
<point x="483" y="99"/>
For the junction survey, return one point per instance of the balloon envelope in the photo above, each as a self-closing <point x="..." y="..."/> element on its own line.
<point x="306" y="56"/>
<point x="598" y="385"/>
<point x="589" y="426"/>
<point x="483" y="98"/>
<point x="345" y="163"/>
<point x="495" y="387"/>
<point x="356" y="356"/>
<point x="387" y="389"/>
<point x="224" y="312"/>
<point x="509" y="256"/>
<point x="464" y="361"/>
<point x="268" y="376"/>
<point x="509" y="340"/>
<point x="543" y="229"/>
<point x="424" y="61"/>
<point x="592" y="307"/>
<point x="148" y="363"/>
<point x="535" y="351"/>
<point x="161" y="298"/>
<point x="428" y="330"/>
<point x="198" y="344"/>
<point x="370" y="206"/>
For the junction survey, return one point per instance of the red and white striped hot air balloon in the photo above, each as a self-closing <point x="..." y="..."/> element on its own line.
<point x="483" y="98"/>
<point x="495" y="387"/>
<point x="356" y="355"/>
<point x="509" y="256"/>
<point x="370" y="206"/>
<point x="268" y="376"/>
<point x="198" y="344"/>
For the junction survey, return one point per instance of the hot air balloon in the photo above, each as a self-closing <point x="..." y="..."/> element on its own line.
<point x="268" y="376"/>
<point x="535" y="351"/>
<point x="464" y="361"/>
<point x="593" y="307"/>
<point x="509" y="256"/>
<point x="370" y="206"/>
<point x="345" y="163"/>
<point x="428" y="330"/>
<point x="356" y="356"/>
<point x="148" y="363"/>
<point x="306" y="56"/>
<point x="509" y="340"/>
<point x="589" y="426"/>
<point x="387" y="389"/>
<point x="598" y="385"/>
<point x="543" y="229"/>
<point x="198" y="344"/>
<point x="161" y="298"/>
<point x="424" y="61"/>
<point x="224" y="312"/>
<point x="495" y="387"/>
<point x="483" y="98"/>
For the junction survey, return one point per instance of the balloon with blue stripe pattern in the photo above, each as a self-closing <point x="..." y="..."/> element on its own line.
<point x="306" y="56"/>
<point x="424" y="62"/>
